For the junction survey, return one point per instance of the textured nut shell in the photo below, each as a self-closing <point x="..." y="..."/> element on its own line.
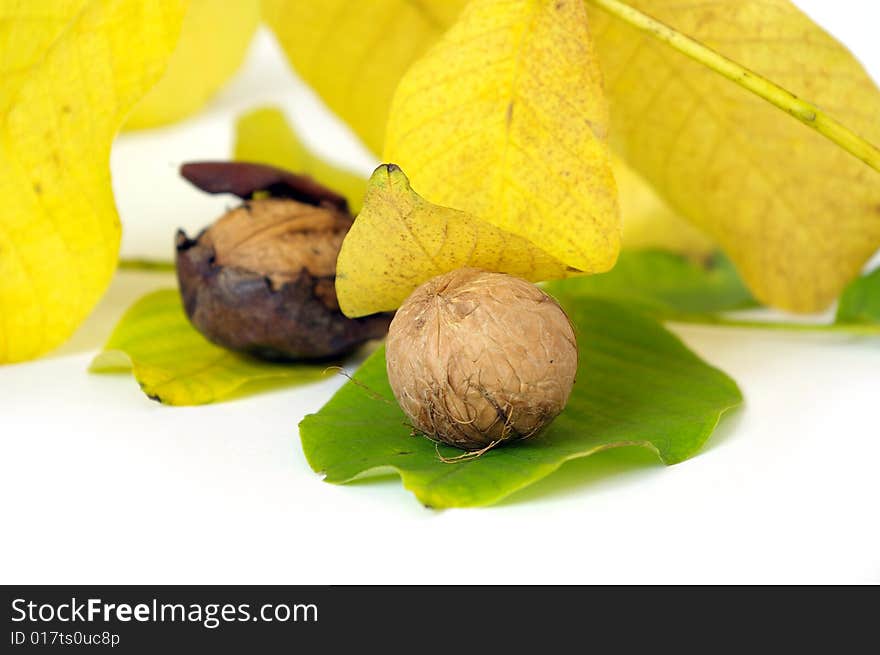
<point x="475" y="358"/>
<point x="261" y="280"/>
<point x="278" y="238"/>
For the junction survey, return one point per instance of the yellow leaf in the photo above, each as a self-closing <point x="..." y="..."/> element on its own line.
<point x="400" y="240"/>
<point x="174" y="364"/>
<point x="264" y="136"/>
<point x="798" y="267"/>
<point x="61" y="104"/>
<point x="212" y="45"/>
<point x="797" y="214"/>
<point x="21" y="48"/>
<point x="648" y="222"/>
<point x="328" y="44"/>
<point x="505" y="118"/>
<point x="354" y="53"/>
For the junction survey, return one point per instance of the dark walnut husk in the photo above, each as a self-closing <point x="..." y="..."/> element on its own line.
<point x="261" y="279"/>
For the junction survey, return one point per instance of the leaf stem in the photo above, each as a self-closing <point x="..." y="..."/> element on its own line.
<point x="802" y="110"/>
<point x="141" y="264"/>
<point x="867" y="329"/>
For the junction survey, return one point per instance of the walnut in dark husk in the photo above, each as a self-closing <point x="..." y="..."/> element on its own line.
<point x="261" y="279"/>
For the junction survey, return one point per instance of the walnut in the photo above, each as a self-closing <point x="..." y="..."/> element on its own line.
<point x="477" y="358"/>
<point x="261" y="279"/>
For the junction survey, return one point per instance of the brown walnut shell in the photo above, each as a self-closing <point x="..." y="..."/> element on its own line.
<point x="476" y="358"/>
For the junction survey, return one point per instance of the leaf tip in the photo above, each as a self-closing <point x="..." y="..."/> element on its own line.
<point x="390" y="175"/>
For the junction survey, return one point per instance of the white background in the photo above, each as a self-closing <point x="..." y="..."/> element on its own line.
<point x="100" y="485"/>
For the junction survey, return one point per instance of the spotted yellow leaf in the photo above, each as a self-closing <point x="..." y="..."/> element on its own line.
<point x="798" y="214"/>
<point x="264" y="136"/>
<point x="69" y="74"/>
<point x="212" y="45"/>
<point x="328" y="44"/>
<point x="505" y="118"/>
<point x="354" y="53"/>
<point x="653" y="90"/>
<point x="400" y="240"/>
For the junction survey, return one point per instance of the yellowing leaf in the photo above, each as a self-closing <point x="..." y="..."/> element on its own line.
<point x="21" y="48"/>
<point x="328" y="44"/>
<point x="176" y="365"/>
<point x="648" y="222"/>
<point x="263" y="136"/>
<point x="400" y="240"/>
<point x="61" y="102"/>
<point x="505" y="118"/>
<point x="654" y="89"/>
<point x="797" y="214"/>
<point x="354" y="53"/>
<point x="212" y="45"/>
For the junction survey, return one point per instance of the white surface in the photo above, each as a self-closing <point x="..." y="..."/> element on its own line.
<point x="101" y="485"/>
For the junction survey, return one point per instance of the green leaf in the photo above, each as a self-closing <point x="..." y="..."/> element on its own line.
<point x="637" y="385"/>
<point x="860" y="301"/>
<point x="264" y="136"/>
<point x="665" y="284"/>
<point x="176" y="365"/>
<point x="674" y="288"/>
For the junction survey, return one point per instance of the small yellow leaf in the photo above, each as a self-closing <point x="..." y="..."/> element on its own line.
<point x="505" y="118"/>
<point x="649" y="223"/>
<point x="798" y="215"/>
<point x="354" y="53"/>
<point x="264" y="136"/>
<point x="212" y="45"/>
<point x="400" y="240"/>
<point x="174" y="364"/>
<point x="62" y="101"/>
